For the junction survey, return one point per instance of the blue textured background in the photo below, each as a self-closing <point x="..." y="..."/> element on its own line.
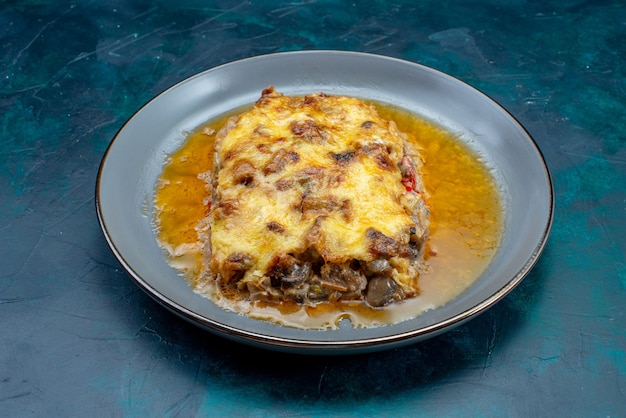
<point x="78" y="337"/>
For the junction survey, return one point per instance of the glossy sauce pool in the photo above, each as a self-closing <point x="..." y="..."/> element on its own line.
<point x="466" y="225"/>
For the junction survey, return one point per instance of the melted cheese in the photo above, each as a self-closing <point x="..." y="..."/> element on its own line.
<point x="316" y="173"/>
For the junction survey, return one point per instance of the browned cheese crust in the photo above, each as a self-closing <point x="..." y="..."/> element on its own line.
<point x="314" y="199"/>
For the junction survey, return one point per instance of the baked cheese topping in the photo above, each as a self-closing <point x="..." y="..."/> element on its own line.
<point x="315" y="198"/>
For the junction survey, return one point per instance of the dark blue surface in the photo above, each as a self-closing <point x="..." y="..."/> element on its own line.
<point x="78" y="337"/>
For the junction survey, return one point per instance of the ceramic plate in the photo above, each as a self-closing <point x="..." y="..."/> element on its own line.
<point x="135" y="157"/>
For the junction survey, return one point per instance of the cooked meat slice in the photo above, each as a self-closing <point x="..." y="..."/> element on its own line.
<point x="226" y="208"/>
<point x="308" y="130"/>
<point x="315" y="204"/>
<point x="275" y="227"/>
<point x="243" y="173"/>
<point x="236" y="265"/>
<point x="344" y="279"/>
<point x="380" y="154"/>
<point x="344" y="157"/>
<point x="382" y="245"/>
<point x="325" y="205"/>
<point x="279" y="160"/>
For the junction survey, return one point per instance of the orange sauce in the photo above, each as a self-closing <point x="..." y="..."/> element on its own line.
<point x="466" y="207"/>
<point x="466" y="222"/>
